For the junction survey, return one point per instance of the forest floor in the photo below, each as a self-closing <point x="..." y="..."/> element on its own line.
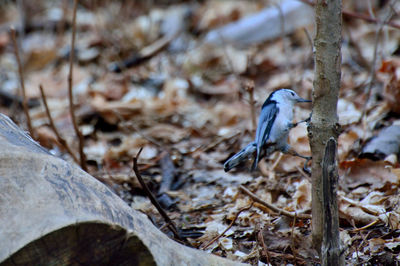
<point x="152" y="75"/>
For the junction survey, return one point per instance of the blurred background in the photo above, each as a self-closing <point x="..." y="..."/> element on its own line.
<point x="185" y="81"/>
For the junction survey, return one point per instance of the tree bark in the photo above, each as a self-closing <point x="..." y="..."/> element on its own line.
<point x="331" y="250"/>
<point x="324" y="120"/>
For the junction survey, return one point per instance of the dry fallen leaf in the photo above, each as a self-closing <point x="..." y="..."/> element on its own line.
<point x="390" y="74"/>
<point x="364" y="171"/>
<point x="346" y="142"/>
<point x="302" y="196"/>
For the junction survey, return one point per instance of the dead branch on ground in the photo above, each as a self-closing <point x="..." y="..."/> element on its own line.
<point x="272" y="207"/>
<point x="154" y="201"/>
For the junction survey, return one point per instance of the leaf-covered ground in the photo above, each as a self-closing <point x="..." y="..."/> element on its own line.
<point x="149" y="74"/>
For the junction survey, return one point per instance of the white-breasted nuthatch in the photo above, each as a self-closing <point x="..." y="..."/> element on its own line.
<point x="275" y="121"/>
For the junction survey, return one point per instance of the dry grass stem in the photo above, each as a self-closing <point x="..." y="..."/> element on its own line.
<point x="60" y="139"/>
<point x="70" y="94"/>
<point x="21" y="80"/>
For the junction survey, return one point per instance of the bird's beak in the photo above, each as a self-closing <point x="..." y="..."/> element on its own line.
<point x="301" y="100"/>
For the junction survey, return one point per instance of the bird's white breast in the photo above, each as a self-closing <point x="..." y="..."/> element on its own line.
<point x="280" y="130"/>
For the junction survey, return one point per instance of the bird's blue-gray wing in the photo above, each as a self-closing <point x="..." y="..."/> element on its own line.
<point x="265" y="122"/>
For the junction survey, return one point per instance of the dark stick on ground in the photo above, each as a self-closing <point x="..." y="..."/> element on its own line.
<point x="60" y="139"/>
<point x="21" y="80"/>
<point x="154" y="201"/>
<point x="230" y="225"/>
<point x="272" y="207"/>
<point x="70" y="94"/>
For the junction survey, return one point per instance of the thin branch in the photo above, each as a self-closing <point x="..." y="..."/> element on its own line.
<point x="60" y="139"/>
<point x="70" y="95"/>
<point x="293" y="246"/>
<point x="272" y="207"/>
<point x="370" y="19"/>
<point x="264" y="247"/>
<point x="367" y="18"/>
<point x="21" y="80"/>
<point x="372" y="73"/>
<point x="367" y="226"/>
<point x="286" y="256"/>
<point x="230" y="225"/>
<point x="249" y="87"/>
<point x="359" y="205"/>
<point x="154" y="201"/>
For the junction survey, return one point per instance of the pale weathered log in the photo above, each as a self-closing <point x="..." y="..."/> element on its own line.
<point x="53" y="213"/>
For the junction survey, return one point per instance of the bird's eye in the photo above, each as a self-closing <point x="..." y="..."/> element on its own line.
<point x="292" y="93"/>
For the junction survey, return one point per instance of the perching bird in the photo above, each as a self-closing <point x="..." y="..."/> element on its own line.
<point x="274" y="124"/>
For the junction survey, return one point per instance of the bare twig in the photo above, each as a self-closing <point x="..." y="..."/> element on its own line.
<point x="60" y="139"/>
<point x="367" y="226"/>
<point x="372" y="72"/>
<point x="367" y="18"/>
<point x="264" y="247"/>
<point x="70" y="94"/>
<point x="286" y="256"/>
<point x="21" y="80"/>
<point x="272" y="207"/>
<point x="249" y="87"/>
<point x="153" y="200"/>
<point x="363" y="208"/>
<point x="293" y="239"/>
<point x="230" y="225"/>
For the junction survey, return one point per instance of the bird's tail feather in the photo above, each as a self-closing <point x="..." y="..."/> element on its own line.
<point x="241" y="156"/>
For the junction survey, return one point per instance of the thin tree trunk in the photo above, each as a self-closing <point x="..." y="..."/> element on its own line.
<point x="324" y="120"/>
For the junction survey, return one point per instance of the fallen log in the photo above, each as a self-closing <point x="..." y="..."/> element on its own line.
<point x="54" y="213"/>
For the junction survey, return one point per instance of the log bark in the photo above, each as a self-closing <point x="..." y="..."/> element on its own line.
<point x="324" y="120"/>
<point x="53" y="213"/>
